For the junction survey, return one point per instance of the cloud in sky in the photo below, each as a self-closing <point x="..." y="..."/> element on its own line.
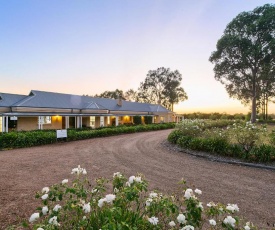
<point x="86" y="47"/>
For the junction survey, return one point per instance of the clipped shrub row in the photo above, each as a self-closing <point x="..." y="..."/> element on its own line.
<point x="222" y="146"/>
<point x="42" y="137"/>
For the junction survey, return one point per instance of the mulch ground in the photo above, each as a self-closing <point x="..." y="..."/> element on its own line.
<point x="25" y="171"/>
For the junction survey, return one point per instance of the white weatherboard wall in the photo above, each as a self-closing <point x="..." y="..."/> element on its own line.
<point x="1" y="125"/>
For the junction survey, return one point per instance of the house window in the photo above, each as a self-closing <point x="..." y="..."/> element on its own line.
<point x="47" y="120"/>
<point x="92" y="122"/>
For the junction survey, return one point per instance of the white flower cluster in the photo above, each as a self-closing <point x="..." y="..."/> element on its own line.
<point x="65" y="181"/>
<point x="230" y="221"/>
<point x="153" y="196"/>
<point x="79" y="171"/>
<point x="108" y="199"/>
<point x="181" y="218"/>
<point x="190" y="194"/>
<point x="87" y="207"/>
<point x="153" y="220"/>
<point x="53" y="221"/>
<point x="212" y="222"/>
<point x="45" y="190"/>
<point x="232" y="207"/>
<point x="57" y="207"/>
<point x="117" y="174"/>
<point x="133" y="179"/>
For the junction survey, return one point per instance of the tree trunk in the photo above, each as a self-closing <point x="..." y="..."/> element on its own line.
<point x="254" y="98"/>
<point x="266" y="107"/>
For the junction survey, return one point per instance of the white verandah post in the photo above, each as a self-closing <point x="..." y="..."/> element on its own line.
<point x="7" y="124"/>
<point x="116" y="121"/>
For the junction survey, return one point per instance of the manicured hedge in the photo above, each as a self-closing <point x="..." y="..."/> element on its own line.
<point x="261" y="153"/>
<point x="42" y="137"/>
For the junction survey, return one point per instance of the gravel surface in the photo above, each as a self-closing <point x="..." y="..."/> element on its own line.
<point x="25" y="171"/>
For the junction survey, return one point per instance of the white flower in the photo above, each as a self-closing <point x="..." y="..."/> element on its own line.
<point x="79" y="171"/>
<point x="40" y="229"/>
<point x="45" y="210"/>
<point x="172" y="224"/>
<point x="45" y="190"/>
<point x="181" y="218"/>
<point x="131" y="179"/>
<point x="188" y="193"/>
<point x="65" y="181"/>
<point x="56" y="208"/>
<point x="128" y="184"/>
<point x="94" y="190"/>
<point x="246" y="227"/>
<point x="153" y="195"/>
<point x="153" y="220"/>
<point x="229" y="220"/>
<point x="101" y="202"/>
<point x="53" y="221"/>
<point x="232" y="207"/>
<point x="117" y="174"/>
<point x="44" y="197"/>
<point x="200" y="205"/>
<point x="149" y="201"/>
<point x="212" y="222"/>
<point x="211" y="204"/>
<point x="84" y="218"/>
<point x="34" y="217"/>
<point x="87" y="208"/>
<point x="188" y="227"/>
<point x="198" y="191"/>
<point x="138" y="179"/>
<point x="110" y="198"/>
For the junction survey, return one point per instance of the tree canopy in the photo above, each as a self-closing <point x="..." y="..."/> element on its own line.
<point x="245" y="56"/>
<point x="111" y="94"/>
<point x="162" y="86"/>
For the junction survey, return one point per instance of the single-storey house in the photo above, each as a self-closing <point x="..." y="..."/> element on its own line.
<point x="48" y="110"/>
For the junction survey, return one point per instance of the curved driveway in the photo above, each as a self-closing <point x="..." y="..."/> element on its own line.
<point x="25" y="171"/>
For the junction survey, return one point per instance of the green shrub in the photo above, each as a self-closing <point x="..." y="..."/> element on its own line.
<point x="174" y="136"/>
<point x="148" y="120"/>
<point x="42" y="137"/>
<point x="262" y="153"/>
<point x="137" y="120"/>
<point x="78" y="203"/>
<point x="184" y="141"/>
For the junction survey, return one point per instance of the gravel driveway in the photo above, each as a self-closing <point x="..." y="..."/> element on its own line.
<point x="25" y="171"/>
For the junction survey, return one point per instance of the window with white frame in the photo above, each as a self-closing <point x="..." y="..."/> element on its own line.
<point x="92" y="122"/>
<point x="47" y="120"/>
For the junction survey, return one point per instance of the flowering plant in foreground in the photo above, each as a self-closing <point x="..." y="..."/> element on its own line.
<point x="78" y="204"/>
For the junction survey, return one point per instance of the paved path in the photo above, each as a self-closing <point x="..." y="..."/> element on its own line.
<point x="25" y="171"/>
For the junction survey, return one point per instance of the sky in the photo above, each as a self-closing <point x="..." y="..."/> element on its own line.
<point x="89" y="46"/>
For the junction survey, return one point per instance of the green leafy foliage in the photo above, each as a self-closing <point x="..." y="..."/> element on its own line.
<point x="241" y="140"/>
<point x="126" y="204"/>
<point x="137" y="120"/>
<point x="42" y="137"/>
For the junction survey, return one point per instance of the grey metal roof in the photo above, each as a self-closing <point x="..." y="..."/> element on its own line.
<point x="7" y="99"/>
<point x="43" y="99"/>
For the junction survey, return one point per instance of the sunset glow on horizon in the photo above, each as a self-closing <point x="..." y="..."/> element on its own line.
<point x="87" y="47"/>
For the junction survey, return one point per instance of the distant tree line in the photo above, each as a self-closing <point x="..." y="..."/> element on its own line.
<point x="161" y="86"/>
<point x="217" y="116"/>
